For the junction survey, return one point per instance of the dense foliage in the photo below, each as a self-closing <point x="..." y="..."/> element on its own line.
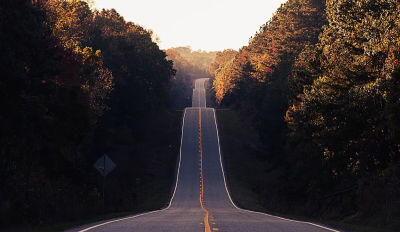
<point x="199" y="60"/>
<point x="189" y="65"/>
<point x="321" y="82"/>
<point x="222" y="71"/>
<point x="77" y="83"/>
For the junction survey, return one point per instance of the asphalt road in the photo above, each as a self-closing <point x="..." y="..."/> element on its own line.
<point x="201" y="201"/>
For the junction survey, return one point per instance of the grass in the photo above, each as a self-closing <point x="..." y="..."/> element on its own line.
<point x="239" y="146"/>
<point x="152" y="194"/>
<point x="244" y="166"/>
<point x="72" y="224"/>
<point x="69" y="225"/>
<point x="241" y="153"/>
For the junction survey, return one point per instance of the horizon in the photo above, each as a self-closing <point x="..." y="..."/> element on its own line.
<point x="220" y="26"/>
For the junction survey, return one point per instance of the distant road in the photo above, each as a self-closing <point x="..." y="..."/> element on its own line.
<point x="201" y="201"/>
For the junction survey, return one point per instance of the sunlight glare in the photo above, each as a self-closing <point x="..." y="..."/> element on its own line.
<point x="207" y="25"/>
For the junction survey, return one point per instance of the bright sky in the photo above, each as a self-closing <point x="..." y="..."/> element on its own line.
<point x="210" y="25"/>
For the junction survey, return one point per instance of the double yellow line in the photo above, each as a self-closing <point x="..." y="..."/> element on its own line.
<point x="207" y="227"/>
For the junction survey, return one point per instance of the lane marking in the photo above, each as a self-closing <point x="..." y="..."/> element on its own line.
<point x="255" y="212"/>
<point x="207" y="227"/>
<point x="173" y="195"/>
<point x="170" y="202"/>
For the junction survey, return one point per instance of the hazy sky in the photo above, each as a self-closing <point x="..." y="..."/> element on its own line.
<point x="203" y="24"/>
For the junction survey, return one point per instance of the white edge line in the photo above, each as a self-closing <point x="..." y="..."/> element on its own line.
<point x="170" y="202"/>
<point x="193" y="97"/>
<point x="205" y="99"/>
<point x="179" y="164"/>
<point x="227" y="191"/>
<point x="200" y="89"/>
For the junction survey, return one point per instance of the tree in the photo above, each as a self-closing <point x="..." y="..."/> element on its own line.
<point x="340" y="99"/>
<point x="221" y="59"/>
<point x="76" y="81"/>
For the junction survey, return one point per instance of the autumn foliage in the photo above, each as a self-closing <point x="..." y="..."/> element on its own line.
<point x="77" y="83"/>
<point x="189" y="66"/>
<point x="321" y="82"/>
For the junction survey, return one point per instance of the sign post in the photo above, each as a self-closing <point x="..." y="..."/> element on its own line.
<point x="104" y="165"/>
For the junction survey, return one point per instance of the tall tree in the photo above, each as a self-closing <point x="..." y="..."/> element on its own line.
<point x="343" y="108"/>
<point x="76" y="81"/>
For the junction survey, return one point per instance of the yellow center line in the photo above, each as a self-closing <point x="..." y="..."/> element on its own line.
<point x="207" y="227"/>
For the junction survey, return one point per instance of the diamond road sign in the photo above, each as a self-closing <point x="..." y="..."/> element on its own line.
<point x="104" y="165"/>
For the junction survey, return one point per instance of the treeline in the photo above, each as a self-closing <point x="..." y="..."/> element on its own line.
<point x="77" y="83"/>
<point x="321" y="82"/>
<point x="199" y="60"/>
<point x="220" y="70"/>
<point x="189" y="65"/>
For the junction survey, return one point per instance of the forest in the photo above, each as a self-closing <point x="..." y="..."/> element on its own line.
<point x="320" y="83"/>
<point x="78" y="83"/>
<point x="189" y="65"/>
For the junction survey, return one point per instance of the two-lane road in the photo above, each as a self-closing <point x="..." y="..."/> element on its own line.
<point x="201" y="201"/>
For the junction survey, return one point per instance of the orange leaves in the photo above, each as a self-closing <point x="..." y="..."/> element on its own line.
<point x="69" y="21"/>
<point x="296" y="24"/>
<point x="242" y="59"/>
<point x="225" y="78"/>
<point x="221" y="59"/>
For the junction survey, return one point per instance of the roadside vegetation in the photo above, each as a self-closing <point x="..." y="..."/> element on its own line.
<point x="78" y="83"/>
<point x="189" y="65"/>
<point x="319" y="83"/>
<point x="309" y="119"/>
<point x="246" y="172"/>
